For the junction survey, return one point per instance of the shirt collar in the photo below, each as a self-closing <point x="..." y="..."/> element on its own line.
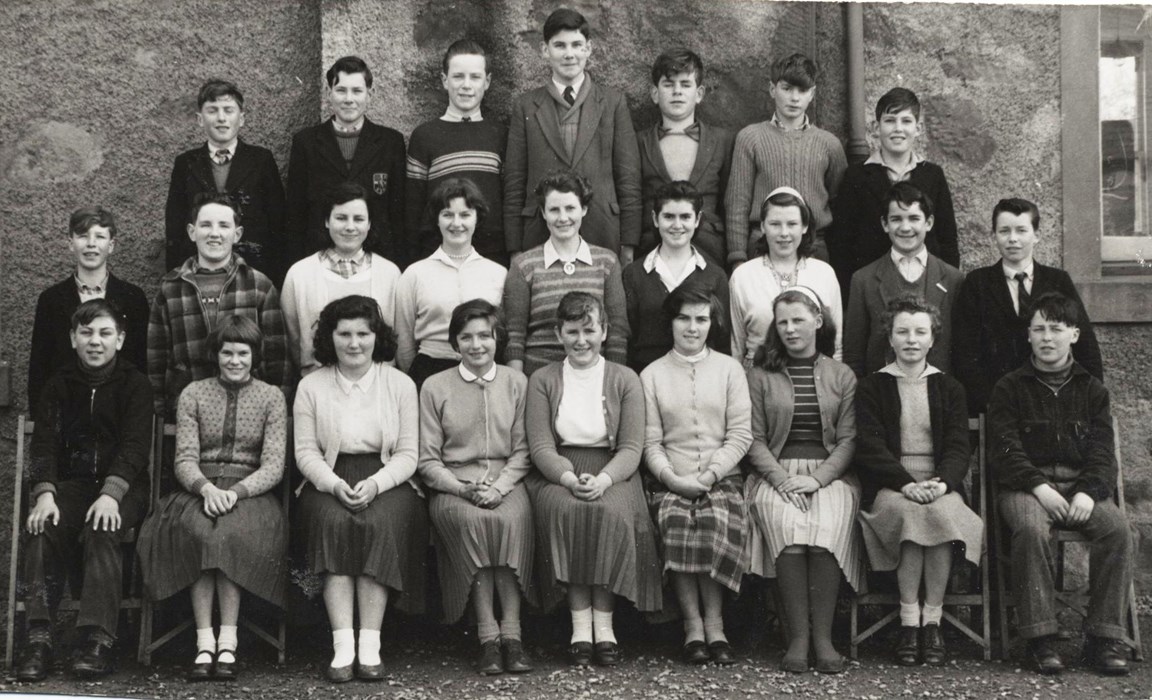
<point x="363" y="384"/>
<point x="779" y="125"/>
<point x="454" y="115"/>
<point x="330" y="255"/>
<point x="1011" y="274"/>
<point x="575" y="86"/>
<point x="894" y="369"/>
<point x="583" y="253"/>
<point x="466" y="374"/>
<point x="650" y="259"/>
<point x="447" y="259"/>
<point x="213" y="149"/>
<point x="895" y="175"/>
<point x="354" y="129"/>
<point x="922" y="256"/>
<point x="93" y="289"/>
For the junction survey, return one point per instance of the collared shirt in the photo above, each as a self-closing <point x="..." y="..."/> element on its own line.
<point x="448" y="260"/>
<point x="213" y="149"/>
<point x="895" y="370"/>
<point x="90" y="292"/>
<point x="454" y="115"/>
<point x="560" y="87"/>
<point x="354" y="129"/>
<point x="1013" y="290"/>
<point x="583" y="253"/>
<point x="671" y="281"/>
<point x="345" y="267"/>
<point x="775" y="121"/>
<point x="911" y="267"/>
<point x="362" y="385"/>
<point x="466" y="374"/>
<point x="895" y="175"/>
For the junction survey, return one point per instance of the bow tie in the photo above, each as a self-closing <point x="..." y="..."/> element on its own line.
<point x="692" y="132"/>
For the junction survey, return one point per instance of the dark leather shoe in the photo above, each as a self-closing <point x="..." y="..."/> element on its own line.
<point x="201" y="671"/>
<point x="721" y="653"/>
<point x="94" y="660"/>
<point x="607" y="654"/>
<point x="489" y="663"/>
<point x="370" y="672"/>
<point x="932" y="645"/>
<point x="580" y="654"/>
<point x="225" y="670"/>
<point x="515" y="660"/>
<point x="696" y="653"/>
<point x="1044" y="658"/>
<point x="1108" y="657"/>
<point x="343" y="674"/>
<point x="907" y="651"/>
<point x="34" y="662"/>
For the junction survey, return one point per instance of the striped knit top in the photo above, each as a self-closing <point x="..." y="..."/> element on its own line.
<point x="766" y="157"/>
<point x="805" y="436"/>
<point x="532" y="293"/>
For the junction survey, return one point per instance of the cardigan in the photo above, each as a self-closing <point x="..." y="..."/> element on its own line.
<point x="990" y="339"/>
<point x="1033" y="427"/>
<point x="316" y="416"/>
<point x="473" y="431"/>
<point x="307" y="292"/>
<point x="51" y="345"/>
<point x="772" y="409"/>
<point x="224" y="429"/>
<point x="623" y="403"/>
<point x="878" y="446"/>
<point x="697" y="415"/>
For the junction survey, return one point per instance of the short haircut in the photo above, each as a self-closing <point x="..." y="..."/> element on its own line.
<point x="456" y="188"/>
<point x="912" y="304"/>
<point x="578" y="307"/>
<point x="897" y="100"/>
<point x="773" y="355"/>
<point x="463" y="47"/>
<point x="787" y="199"/>
<point x="563" y="181"/>
<point x="675" y="61"/>
<point x="85" y="218"/>
<point x="563" y="19"/>
<point x="797" y="69"/>
<point x="343" y="193"/>
<point x="677" y="191"/>
<point x="346" y="309"/>
<point x="1057" y="308"/>
<point x="237" y="329"/>
<point x="472" y="310"/>
<point x="348" y="64"/>
<point x="1017" y="206"/>
<point x="906" y="194"/>
<point x="694" y="294"/>
<point x="214" y="89"/>
<point x="92" y="309"/>
<point x="203" y="199"/>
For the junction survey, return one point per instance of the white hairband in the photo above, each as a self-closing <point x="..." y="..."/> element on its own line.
<point x="786" y="190"/>
<point x="806" y="291"/>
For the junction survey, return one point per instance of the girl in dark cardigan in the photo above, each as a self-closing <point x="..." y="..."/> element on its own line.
<point x="912" y="447"/>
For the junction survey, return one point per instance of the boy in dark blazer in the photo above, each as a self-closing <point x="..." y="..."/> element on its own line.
<point x="991" y="328"/>
<point x="683" y="148"/>
<point x="907" y="268"/>
<point x="226" y="164"/>
<point x="571" y="123"/>
<point x="349" y="147"/>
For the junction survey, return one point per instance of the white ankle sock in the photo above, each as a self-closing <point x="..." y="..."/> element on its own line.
<point x="205" y="644"/>
<point x="602" y="626"/>
<point x="368" y="648"/>
<point x="910" y="614"/>
<point x="582" y="625"/>
<point x="933" y="614"/>
<point x="343" y="648"/>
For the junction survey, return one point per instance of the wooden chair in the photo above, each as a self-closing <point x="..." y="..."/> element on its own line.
<point x="132" y="600"/>
<point x="276" y="638"/>
<point x="981" y="599"/>
<point x="1073" y="600"/>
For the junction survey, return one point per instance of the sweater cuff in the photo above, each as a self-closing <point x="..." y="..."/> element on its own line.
<point x="115" y="487"/>
<point x="328" y="483"/>
<point x="197" y="485"/>
<point x="384" y="481"/>
<point x="43" y="487"/>
<point x="513" y="352"/>
<point x="240" y="490"/>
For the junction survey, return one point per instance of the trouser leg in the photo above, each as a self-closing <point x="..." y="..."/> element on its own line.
<point x="1110" y="571"/>
<point x="47" y="556"/>
<point x="1030" y="527"/>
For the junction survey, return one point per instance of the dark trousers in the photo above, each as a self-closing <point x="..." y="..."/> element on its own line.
<point x="53" y="555"/>
<point x="1033" y="564"/>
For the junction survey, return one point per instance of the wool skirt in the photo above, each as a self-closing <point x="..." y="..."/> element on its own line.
<point x="705" y="535"/>
<point x="829" y="522"/>
<point x="608" y="542"/>
<point x="387" y="541"/>
<point x="895" y="519"/>
<point x="178" y="542"/>
<point x="469" y="538"/>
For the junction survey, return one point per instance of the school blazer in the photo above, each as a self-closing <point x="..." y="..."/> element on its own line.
<point x="990" y="339"/>
<point x="866" y="347"/>
<point x="605" y="154"/>
<point x="316" y="165"/>
<point x="709" y="176"/>
<point x="253" y="180"/>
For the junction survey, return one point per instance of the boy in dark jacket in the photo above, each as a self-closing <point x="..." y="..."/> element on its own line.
<point x="89" y="480"/>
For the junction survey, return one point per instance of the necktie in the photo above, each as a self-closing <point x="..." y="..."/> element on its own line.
<point x="222" y="156"/>
<point x="569" y="95"/>
<point x="692" y="132"/>
<point x="1025" y="299"/>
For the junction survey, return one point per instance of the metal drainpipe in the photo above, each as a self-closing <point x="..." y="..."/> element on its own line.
<point x="857" y="150"/>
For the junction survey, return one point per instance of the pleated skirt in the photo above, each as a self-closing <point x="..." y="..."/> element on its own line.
<point x="608" y="542"/>
<point x="387" y="541"/>
<point x="178" y="542"/>
<point x="469" y="538"/>
<point x="706" y="535"/>
<point x="895" y="519"/>
<point x="830" y="522"/>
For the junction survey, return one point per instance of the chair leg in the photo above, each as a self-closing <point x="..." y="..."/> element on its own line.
<point x="143" y="655"/>
<point x="853" y="649"/>
<point x="1134" y="624"/>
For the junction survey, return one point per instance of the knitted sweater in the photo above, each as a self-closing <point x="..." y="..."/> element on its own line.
<point x="698" y="416"/>
<point x="766" y="157"/>
<point x="439" y="150"/>
<point x="224" y="429"/>
<point x="532" y="293"/>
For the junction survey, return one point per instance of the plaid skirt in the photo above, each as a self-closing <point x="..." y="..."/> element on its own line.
<point x="705" y="535"/>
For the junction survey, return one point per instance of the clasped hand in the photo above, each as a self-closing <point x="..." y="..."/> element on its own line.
<point x="795" y="490"/>
<point x="588" y="487"/>
<point x="217" y="501"/>
<point x="924" y="492"/>
<point x="481" y="495"/>
<point x="356" y="498"/>
<point x="1072" y="513"/>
